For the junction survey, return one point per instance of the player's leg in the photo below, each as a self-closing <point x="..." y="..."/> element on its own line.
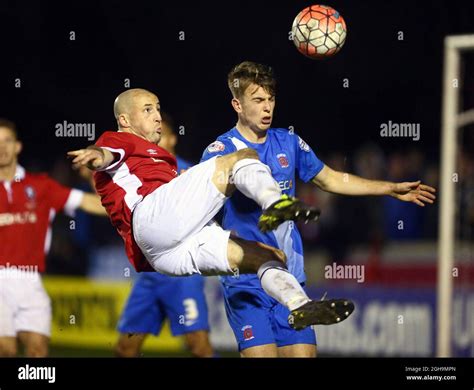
<point x="298" y="350"/>
<point x="32" y="321"/>
<point x="185" y="305"/>
<point x="269" y="264"/>
<point x="244" y="170"/>
<point x="35" y="344"/>
<point x="163" y="220"/>
<point x="198" y="343"/>
<point x="8" y="340"/>
<point x="129" y="344"/>
<point x="291" y="342"/>
<point x="8" y="347"/>
<point x="266" y="351"/>
<point x="141" y="316"/>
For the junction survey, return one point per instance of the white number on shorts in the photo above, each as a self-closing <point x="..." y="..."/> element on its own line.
<point x="191" y="311"/>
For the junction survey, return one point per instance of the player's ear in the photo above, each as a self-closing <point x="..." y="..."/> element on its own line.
<point x="236" y="104"/>
<point x="123" y="121"/>
<point x="18" y="147"/>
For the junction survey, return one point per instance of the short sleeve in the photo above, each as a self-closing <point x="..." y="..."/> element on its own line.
<point x="218" y="148"/>
<point x="308" y="164"/>
<point x="118" y="144"/>
<point x="61" y="198"/>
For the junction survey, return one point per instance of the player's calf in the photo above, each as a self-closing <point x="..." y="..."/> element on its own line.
<point x="248" y="256"/>
<point x="8" y="347"/>
<point x="269" y="264"/>
<point x="129" y="345"/>
<point x="198" y="344"/>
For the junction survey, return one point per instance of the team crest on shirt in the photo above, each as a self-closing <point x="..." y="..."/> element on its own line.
<point x="30" y="194"/>
<point x="216" y="146"/>
<point x="248" y="332"/>
<point x="283" y="160"/>
<point x="303" y="145"/>
<point x="153" y="152"/>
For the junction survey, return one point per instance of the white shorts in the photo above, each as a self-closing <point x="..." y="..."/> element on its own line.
<point x="24" y="304"/>
<point x="174" y="229"/>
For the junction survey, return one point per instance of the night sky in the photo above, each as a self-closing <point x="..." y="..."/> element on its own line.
<point x="77" y="80"/>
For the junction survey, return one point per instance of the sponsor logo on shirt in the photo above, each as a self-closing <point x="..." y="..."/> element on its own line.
<point x="30" y="194"/>
<point x="22" y="218"/>
<point x="283" y="160"/>
<point x="152" y="152"/>
<point x="285" y="184"/>
<point x="216" y="146"/>
<point x="303" y="145"/>
<point x="248" y="332"/>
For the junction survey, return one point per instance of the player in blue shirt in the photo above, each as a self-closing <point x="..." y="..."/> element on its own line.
<point x="259" y="322"/>
<point x="155" y="297"/>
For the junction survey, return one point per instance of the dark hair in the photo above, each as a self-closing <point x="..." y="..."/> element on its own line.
<point x="9" y="125"/>
<point x="248" y="72"/>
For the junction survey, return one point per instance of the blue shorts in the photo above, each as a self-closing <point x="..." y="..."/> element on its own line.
<point x="258" y="319"/>
<point x="155" y="297"/>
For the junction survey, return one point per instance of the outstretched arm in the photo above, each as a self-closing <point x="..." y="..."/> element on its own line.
<point x="346" y="184"/>
<point x="91" y="204"/>
<point x="93" y="157"/>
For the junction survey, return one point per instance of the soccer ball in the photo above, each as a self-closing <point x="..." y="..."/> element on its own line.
<point x="319" y="31"/>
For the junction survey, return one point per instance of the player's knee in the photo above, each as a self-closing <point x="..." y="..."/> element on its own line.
<point x="228" y="161"/>
<point x="280" y="255"/>
<point x="272" y="254"/>
<point x="8" y="350"/>
<point x="198" y="344"/>
<point x="125" y="350"/>
<point x="37" y="350"/>
<point x="246" y="153"/>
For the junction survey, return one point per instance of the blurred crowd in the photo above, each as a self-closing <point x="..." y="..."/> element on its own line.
<point x="374" y="221"/>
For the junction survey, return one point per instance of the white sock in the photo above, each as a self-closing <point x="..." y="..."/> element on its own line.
<point x="281" y="285"/>
<point x="254" y="179"/>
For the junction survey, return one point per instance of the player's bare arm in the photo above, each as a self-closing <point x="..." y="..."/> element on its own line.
<point x="346" y="184"/>
<point x="91" y="204"/>
<point x="93" y="157"/>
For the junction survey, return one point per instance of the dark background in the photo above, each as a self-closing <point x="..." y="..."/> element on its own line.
<point x="78" y="80"/>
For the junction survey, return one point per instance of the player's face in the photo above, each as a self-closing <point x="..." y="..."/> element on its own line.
<point x="257" y="107"/>
<point x="145" y="117"/>
<point x="10" y="147"/>
<point x="168" y="138"/>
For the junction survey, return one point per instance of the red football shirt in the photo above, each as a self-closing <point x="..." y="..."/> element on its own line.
<point x="140" y="169"/>
<point x="28" y="205"/>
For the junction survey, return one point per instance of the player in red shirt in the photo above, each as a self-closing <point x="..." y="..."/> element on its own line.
<point x="28" y="204"/>
<point x="166" y="220"/>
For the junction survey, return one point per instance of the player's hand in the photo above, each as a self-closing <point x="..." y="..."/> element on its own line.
<point x="90" y="158"/>
<point x="415" y="192"/>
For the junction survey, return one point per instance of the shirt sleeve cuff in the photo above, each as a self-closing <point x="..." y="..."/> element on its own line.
<point x="73" y="202"/>
<point x="121" y="152"/>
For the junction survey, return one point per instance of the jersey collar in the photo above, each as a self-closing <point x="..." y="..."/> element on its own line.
<point x="19" y="173"/>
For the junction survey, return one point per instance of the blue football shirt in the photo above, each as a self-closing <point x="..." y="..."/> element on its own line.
<point x="287" y="155"/>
